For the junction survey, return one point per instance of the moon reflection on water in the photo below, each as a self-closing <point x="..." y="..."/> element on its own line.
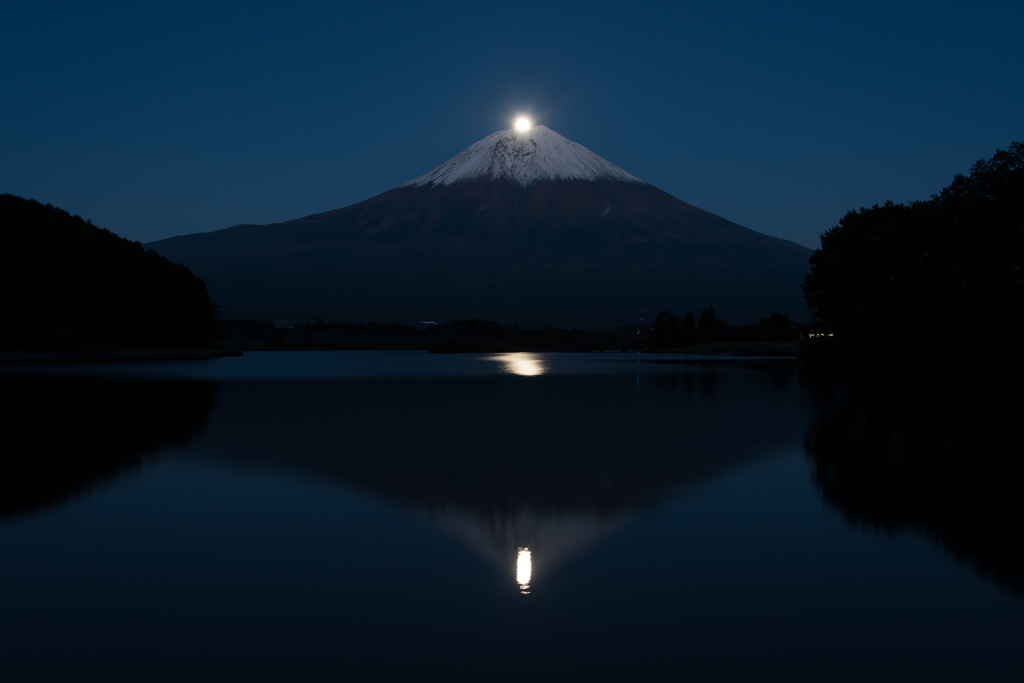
<point x="523" y="364"/>
<point x="524" y="568"/>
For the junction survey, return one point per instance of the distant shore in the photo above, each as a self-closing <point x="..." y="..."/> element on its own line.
<point x="110" y="356"/>
<point x="728" y="349"/>
<point x="773" y="337"/>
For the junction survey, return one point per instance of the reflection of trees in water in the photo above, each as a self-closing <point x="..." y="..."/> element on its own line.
<point x="775" y="379"/>
<point x="704" y="381"/>
<point x="774" y="376"/>
<point x="66" y="435"/>
<point x="942" y="457"/>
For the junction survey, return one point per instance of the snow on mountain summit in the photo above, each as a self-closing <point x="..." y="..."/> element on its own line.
<point x="524" y="157"/>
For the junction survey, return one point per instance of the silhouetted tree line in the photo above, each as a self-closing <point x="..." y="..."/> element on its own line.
<point x="939" y="455"/>
<point x="666" y="333"/>
<point x="669" y="332"/>
<point x="927" y="277"/>
<point x="450" y="337"/>
<point x="70" y="285"/>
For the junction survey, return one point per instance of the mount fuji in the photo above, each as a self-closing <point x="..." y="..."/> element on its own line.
<point x="523" y="227"/>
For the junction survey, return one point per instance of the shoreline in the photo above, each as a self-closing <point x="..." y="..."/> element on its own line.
<point x="127" y="356"/>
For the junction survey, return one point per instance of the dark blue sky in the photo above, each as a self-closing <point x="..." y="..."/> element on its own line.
<point x="159" y="119"/>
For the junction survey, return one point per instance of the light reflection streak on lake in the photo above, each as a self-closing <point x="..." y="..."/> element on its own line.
<point x="523" y="364"/>
<point x="524" y="569"/>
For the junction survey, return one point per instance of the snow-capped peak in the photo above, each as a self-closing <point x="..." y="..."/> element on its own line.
<point x="524" y="157"/>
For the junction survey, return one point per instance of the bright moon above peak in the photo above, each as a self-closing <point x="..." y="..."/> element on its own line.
<point x="523" y="123"/>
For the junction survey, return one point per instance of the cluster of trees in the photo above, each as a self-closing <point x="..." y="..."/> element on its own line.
<point x="450" y="337"/>
<point x="941" y="274"/>
<point x="69" y="285"/>
<point x="669" y="332"/>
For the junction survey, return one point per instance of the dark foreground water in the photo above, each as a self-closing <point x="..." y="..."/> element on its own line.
<point x="405" y="516"/>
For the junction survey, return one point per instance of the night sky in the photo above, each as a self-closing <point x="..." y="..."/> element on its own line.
<point x="161" y="119"/>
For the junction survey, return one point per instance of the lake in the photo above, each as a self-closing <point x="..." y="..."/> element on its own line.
<point x="317" y="516"/>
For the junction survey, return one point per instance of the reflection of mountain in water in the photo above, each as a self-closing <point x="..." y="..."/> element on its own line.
<point x="943" y="457"/>
<point x="549" y="463"/>
<point x="552" y="537"/>
<point x="63" y="436"/>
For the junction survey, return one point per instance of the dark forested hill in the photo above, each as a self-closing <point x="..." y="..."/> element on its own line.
<point x="942" y="278"/>
<point x="68" y="284"/>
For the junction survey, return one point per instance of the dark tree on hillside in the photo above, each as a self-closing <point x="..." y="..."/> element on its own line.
<point x="689" y="329"/>
<point x="946" y="269"/>
<point x="706" y="317"/>
<point x="667" y="331"/>
<point x="70" y="285"/>
<point x="710" y="326"/>
<point x="776" y="328"/>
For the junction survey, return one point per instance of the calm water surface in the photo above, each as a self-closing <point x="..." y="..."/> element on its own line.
<point x="398" y="515"/>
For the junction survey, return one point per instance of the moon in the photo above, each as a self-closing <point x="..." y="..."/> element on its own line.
<point x="523" y="123"/>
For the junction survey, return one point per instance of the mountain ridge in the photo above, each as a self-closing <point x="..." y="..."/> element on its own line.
<point x="490" y="235"/>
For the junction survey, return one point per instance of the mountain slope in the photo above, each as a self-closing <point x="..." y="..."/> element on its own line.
<point x="524" y="227"/>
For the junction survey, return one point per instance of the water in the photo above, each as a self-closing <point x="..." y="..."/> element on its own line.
<point x="392" y="515"/>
